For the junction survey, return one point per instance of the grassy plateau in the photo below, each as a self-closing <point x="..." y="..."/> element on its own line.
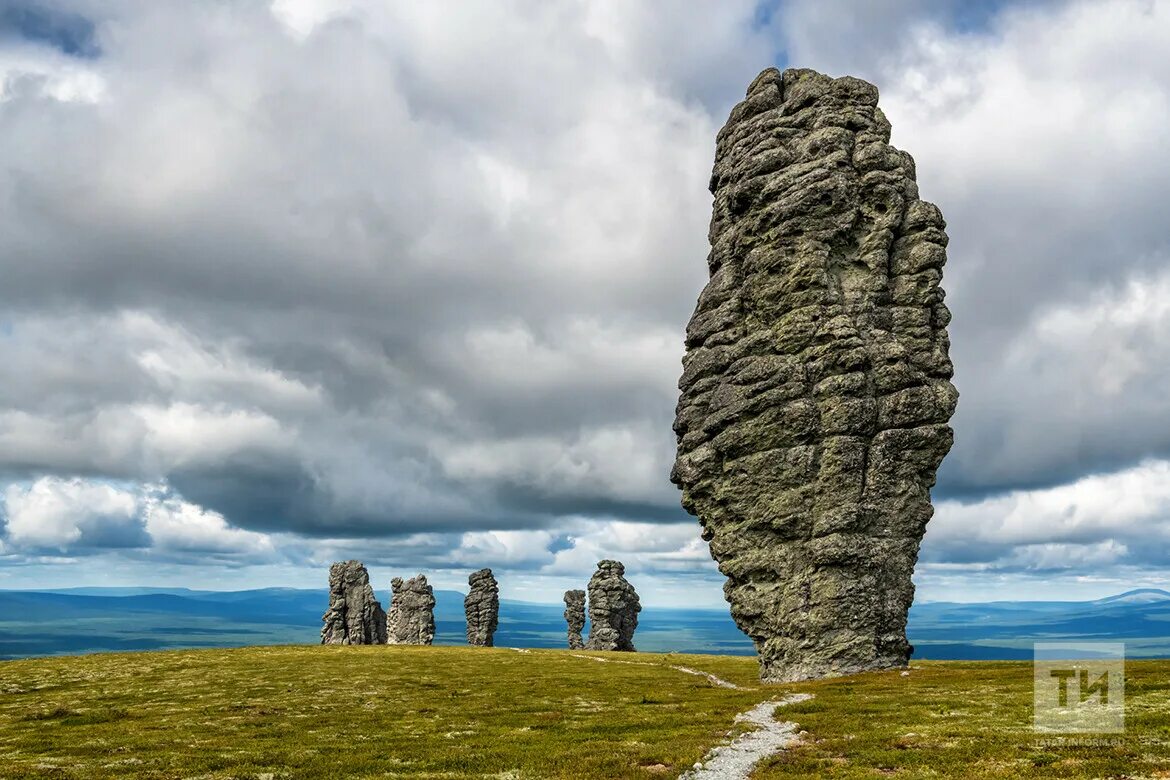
<point x="450" y="712"/>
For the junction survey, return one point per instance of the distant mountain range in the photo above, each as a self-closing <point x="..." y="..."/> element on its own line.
<point x="1007" y="629"/>
<point x="81" y="620"/>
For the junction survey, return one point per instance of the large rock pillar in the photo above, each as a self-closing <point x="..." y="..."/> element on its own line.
<point x="482" y="607"/>
<point x="575" y="617"/>
<point x="816" y="389"/>
<point x="613" y="609"/>
<point x="354" y="616"/>
<point x="411" y="620"/>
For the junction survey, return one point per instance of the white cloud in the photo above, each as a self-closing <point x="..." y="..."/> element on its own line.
<point x="1101" y="345"/>
<point x="82" y="515"/>
<point x="505" y="549"/>
<point x="175" y="525"/>
<point x="301" y="17"/>
<point x="63" y="513"/>
<point x="190" y="369"/>
<point x="647" y="548"/>
<point x="47" y="74"/>
<point x="182" y="433"/>
<point x="1095" y="520"/>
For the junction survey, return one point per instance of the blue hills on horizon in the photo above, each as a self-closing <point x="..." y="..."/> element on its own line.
<point x="96" y="619"/>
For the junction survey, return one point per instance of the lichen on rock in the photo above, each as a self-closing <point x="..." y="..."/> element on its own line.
<point x="354" y="616"/>
<point x="482" y="608"/>
<point x="411" y="619"/>
<point x="613" y="609"/>
<point x="816" y="391"/>
<point x="575" y="617"/>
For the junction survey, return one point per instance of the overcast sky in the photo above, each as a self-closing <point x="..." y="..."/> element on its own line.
<point x="287" y="282"/>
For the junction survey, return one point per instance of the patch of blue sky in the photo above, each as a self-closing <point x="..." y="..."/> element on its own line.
<point x="69" y="33"/>
<point x="559" y="543"/>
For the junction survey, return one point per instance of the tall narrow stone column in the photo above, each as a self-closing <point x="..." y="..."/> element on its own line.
<point x="482" y="607"/>
<point x="816" y="391"/>
<point x="575" y="617"/>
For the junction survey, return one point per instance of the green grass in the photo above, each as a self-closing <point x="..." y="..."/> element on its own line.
<point x="446" y="712"/>
<point x="967" y="719"/>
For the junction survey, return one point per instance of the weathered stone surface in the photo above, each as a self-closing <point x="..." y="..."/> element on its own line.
<point x="354" y="616"/>
<point x="411" y="620"/>
<point x="613" y="609"/>
<point x="575" y="617"/>
<point x="815" y="392"/>
<point x="482" y="606"/>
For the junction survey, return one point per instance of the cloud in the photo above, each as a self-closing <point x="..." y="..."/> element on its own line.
<point x="409" y="280"/>
<point x="88" y="517"/>
<point x="71" y="513"/>
<point x="175" y="525"/>
<point x="371" y="266"/>
<point x="1122" y="518"/>
<point x="507" y="549"/>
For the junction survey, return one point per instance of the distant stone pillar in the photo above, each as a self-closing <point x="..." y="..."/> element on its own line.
<point x="411" y="620"/>
<point x="575" y="616"/>
<point x="613" y="609"/>
<point x="354" y="616"/>
<point x="482" y="607"/>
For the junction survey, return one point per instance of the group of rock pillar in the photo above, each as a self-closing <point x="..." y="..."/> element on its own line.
<point x="613" y="611"/>
<point x="355" y="617"/>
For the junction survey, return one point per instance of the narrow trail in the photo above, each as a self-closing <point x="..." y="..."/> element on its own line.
<point x="719" y="681"/>
<point x="735" y="760"/>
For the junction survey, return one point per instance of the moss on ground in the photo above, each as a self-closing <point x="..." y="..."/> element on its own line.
<point x="447" y="712"/>
<point x="967" y="719"/>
